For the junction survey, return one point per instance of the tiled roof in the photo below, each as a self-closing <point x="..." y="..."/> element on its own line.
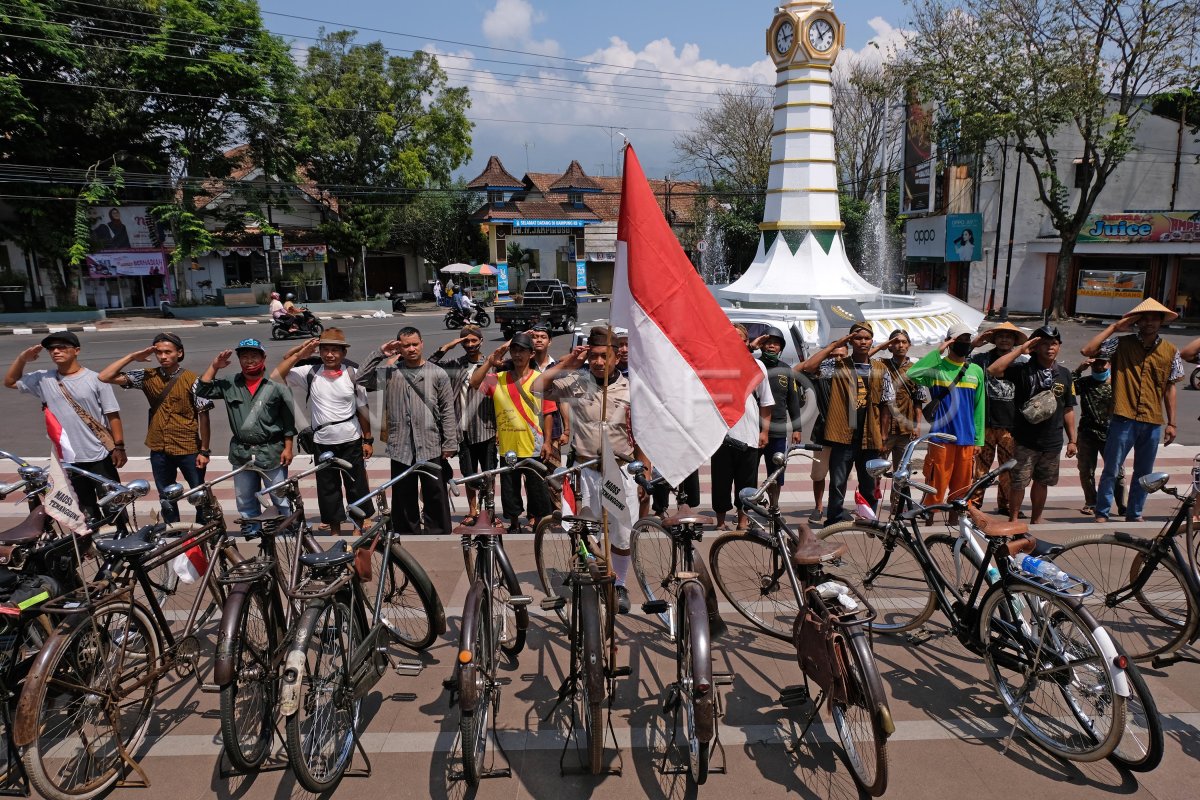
<point x="575" y="178"/>
<point x="540" y="181"/>
<point x="683" y="198"/>
<point x="534" y="209"/>
<point x="495" y="176"/>
<point x="212" y="188"/>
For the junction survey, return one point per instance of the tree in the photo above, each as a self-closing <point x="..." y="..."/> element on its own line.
<point x="374" y="126"/>
<point x="437" y="226"/>
<point x="868" y="121"/>
<point x="1048" y="74"/>
<point x="518" y="259"/>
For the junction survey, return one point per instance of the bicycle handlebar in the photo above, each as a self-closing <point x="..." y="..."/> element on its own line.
<point x="421" y="466"/>
<point x="204" y="487"/>
<point x="524" y="463"/>
<point x="323" y="461"/>
<point x="774" y="476"/>
<point x="563" y="472"/>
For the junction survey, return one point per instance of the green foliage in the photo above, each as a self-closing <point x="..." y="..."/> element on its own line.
<point x="437" y="225"/>
<point x="518" y="259"/>
<point x="97" y="191"/>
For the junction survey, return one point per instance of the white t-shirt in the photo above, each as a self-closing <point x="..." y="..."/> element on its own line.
<point x="750" y="425"/>
<point x="80" y="445"/>
<point x="332" y="399"/>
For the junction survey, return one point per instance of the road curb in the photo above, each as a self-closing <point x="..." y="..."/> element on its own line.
<point x="214" y="323"/>
<point x="166" y="323"/>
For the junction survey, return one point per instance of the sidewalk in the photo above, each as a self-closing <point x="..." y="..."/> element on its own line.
<point x="155" y="322"/>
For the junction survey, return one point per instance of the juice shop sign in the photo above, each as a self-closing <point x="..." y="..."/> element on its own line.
<point x="1151" y="226"/>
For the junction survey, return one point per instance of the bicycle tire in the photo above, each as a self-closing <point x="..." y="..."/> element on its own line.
<point x="859" y="721"/>
<point x="1071" y="671"/>
<point x="248" y="701"/>
<point x="749" y="571"/>
<point x="473" y="725"/>
<point x="1141" y="747"/>
<point x="1160" y="618"/>
<point x="590" y="692"/>
<point x="515" y="620"/>
<point x="411" y="608"/>
<point x="652" y="550"/>
<point x="900" y="593"/>
<point x="89" y="654"/>
<point x="318" y="758"/>
<point x="555" y="561"/>
<point x="697" y="710"/>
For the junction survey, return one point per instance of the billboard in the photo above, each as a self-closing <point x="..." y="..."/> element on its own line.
<point x="916" y="190"/>
<point x="1108" y="292"/>
<point x="115" y="265"/>
<point x="1142" y="226"/>
<point x="925" y="238"/>
<point x="126" y="228"/>
<point x="963" y="235"/>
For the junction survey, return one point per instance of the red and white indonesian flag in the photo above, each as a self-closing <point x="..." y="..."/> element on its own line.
<point x="689" y="372"/>
<point x="190" y="564"/>
<point x="64" y="448"/>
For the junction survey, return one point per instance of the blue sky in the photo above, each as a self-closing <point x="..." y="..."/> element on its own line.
<point x="656" y="63"/>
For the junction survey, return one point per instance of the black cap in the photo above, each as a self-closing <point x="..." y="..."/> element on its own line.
<point x="62" y="337"/>
<point x="541" y="327"/>
<point x="521" y="340"/>
<point x="774" y="332"/>
<point x="1047" y="332"/>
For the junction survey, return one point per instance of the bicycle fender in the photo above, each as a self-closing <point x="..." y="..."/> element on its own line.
<point x="692" y="595"/>
<point x="418" y="573"/>
<point x="292" y="672"/>
<point x="24" y="728"/>
<point x="716" y="625"/>
<point x="514" y="587"/>
<point x="468" y="685"/>
<point x="1109" y="651"/>
<point x="231" y="613"/>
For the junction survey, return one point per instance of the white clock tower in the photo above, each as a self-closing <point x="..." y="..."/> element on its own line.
<point x="800" y="252"/>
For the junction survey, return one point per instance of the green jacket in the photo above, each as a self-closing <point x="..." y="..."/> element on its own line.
<point x="962" y="408"/>
<point x="261" y="422"/>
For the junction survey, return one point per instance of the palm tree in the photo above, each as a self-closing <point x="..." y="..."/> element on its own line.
<point x="518" y="258"/>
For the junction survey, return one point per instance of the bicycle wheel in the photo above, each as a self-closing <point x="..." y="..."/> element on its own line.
<point x="697" y="708"/>
<point x="512" y="623"/>
<point x="1050" y="672"/>
<point x="750" y="573"/>
<point x="473" y="725"/>
<point x="884" y="568"/>
<point x="555" y="561"/>
<point x="653" y="563"/>
<point x="248" y="701"/>
<point x="95" y="697"/>
<point x="320" y="735"/>
<point x="411" y="608"/>
<point x="859" y="721"/>
<point x="1158" y="618"/>
<point x="591" y="660"/>
<point x="1141" y="746"/>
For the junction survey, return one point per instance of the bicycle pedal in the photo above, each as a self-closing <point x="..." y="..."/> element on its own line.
<point x="408" y="667"/>
<point x="519" y="600"/>
<point x="210" y="688"/>
<point x="722" y="678"/>
<point x="792" y="696"/>
<point x="553" y="603"/>
<point x="671" y="701"/>
<point x="1160" y="662"/>
<point x="655" y="607"/>
<point x="919" y="637"/>
<point x="620" y="672"/>
<point x="502" y="681"/>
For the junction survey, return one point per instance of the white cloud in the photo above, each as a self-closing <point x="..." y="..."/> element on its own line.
<point x="510" y="24"/>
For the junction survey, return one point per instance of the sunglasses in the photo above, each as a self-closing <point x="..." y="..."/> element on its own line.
<point x="54" y="347"/>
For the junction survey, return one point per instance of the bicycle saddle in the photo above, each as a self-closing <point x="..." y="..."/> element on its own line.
<point x="132" y="545"/>
<point x="27" y="531"/>
<point x="335" y="556"/>
<point x="686" y="517"/>
<point x="584" y="517"/>
<point x="480" y="528"/>
<point x="995" y="526"/>
<point x="810" y="550"/>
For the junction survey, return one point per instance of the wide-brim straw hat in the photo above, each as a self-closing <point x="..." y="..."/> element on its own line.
<point x="1008" y="327"/>
<point x="333" y="336"/>
<point x="1151" y="306"/>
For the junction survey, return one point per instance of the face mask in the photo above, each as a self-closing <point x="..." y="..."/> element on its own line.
<point x="1101" y="376"/>
<point x="256" y="370"/>
<point x="770" y="359"/>
<point x="961" y="349"/>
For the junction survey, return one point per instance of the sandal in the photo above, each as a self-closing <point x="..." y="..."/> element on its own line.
<point x="470" y="519"/>
<point x="324" y="527"/>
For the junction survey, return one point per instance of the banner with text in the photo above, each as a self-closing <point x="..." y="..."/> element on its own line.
<point x="126" y="228"/>
<point x="1142" y="226"/>
<point x="115" y="265"/>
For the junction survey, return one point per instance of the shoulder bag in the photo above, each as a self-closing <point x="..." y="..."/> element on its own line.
<point x="102" y="433"/>
<point x="1041" y="406"/>
<point x="931" y="408"/>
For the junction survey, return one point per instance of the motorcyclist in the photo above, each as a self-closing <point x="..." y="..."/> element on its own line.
<point x="297" y="314"/>
<point x="279" y="313"/>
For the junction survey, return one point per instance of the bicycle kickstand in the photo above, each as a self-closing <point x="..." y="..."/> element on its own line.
<point x="275" y="762"/>
<point x="366" y="769"/>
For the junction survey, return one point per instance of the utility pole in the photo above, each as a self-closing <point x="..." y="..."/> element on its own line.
<point x="991" y="305"/>
<point x="1012" y="229"/>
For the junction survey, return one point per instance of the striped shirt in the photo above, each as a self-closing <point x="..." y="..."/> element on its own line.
<point x="418" y="405"/>
<point x="475" y="412"/>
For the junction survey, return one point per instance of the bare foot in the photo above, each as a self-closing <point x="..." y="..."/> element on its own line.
<point x="1035" y="521"/>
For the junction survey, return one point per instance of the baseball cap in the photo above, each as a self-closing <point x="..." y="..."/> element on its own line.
<point x="62" y="337"/>
<point x="522" y="340"/>
<point x="959" y="329"/>
<point x="251" y="344"/>
<point x="540" y="327"/>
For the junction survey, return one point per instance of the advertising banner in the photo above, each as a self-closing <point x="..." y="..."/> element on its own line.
<point x="305" y="253"/>
<point x="126" y="228"/>
<point x="963" y="234"/>
<point x="916" y="196"/>
<point x="1107" y="292"/>
<point x="114" y="265"/>
<point x="925" y="237"/>
<point x="1147" y="226"/>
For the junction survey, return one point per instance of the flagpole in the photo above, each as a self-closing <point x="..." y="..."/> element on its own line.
<point x="608" y="565"/>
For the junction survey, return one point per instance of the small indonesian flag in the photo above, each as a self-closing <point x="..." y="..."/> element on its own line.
<point x="569" y="504"/>
<point x="862" y="507"/>
<point x="190" y="564"/>
<point x="60" y="501"/>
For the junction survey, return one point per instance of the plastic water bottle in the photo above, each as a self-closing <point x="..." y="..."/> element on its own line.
<point x="1044" y="570"/>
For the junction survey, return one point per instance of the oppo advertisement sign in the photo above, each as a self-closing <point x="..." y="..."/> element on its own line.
<point x="925" y="237"/>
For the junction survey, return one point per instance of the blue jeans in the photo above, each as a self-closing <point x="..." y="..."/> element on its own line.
<point x="165" y="467"/>
<point x="1125" y="434"/>
<point x="246" y="483"/>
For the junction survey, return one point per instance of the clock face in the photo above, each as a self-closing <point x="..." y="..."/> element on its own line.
<point x="785" y="34"/>
<point x="820" y="35"/>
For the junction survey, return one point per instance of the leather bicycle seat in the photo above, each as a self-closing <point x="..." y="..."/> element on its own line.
<point x="686" y="517"/>
<point x="584" y="517"/>
<point x="480" y="528"/>
<point x="28" y="530"/>
<point x="135" y="544"/>
<point x="333" y="557"/>
<point x="995" y="526"/>
<point x="810" y="550"/>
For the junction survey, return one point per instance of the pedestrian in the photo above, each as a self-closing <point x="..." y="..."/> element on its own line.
<point x="622" y="350"/>
<point x="418" y="403"/>
<point x="785" y="427"/>
<point x="437" y="292"/>
<point x="998" y="445"/>
<point x="340" y="423"/>
<point x="83" y="419"/>
<point x="1044" y="396"/>
<point x="178" y="426"/>
<point x="261" y="418"/>
<point x="859" y="413"/>
<point x="519" y="425"/>
<point x="820" y="387"/>
<point x="957" y="390"/>
<point x="584" y="392"/>
<point x="474" y="410"/>
<point x="1145" y="371"/>
<point x="1095" y="393"/>
<point x="735" y="464"/>
<point x="910" y="396"/>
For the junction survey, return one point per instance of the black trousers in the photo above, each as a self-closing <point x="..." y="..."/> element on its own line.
<point x="841" y="458"/>
<point x="535" y="490"/>
<point x="733" y="469"/>
<point x="406" y="513"/>
<point x="330" y="483"/>
<point x="690" y="487"/>
<point x="89" y="492"/>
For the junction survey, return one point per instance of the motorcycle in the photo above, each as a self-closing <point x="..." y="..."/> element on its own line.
<point x="399" y="304"/>
<point x="304" y="325"/>
<point x="454" y="318"/>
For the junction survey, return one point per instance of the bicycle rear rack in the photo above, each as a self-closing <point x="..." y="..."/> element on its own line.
<point x="252" y="569"/>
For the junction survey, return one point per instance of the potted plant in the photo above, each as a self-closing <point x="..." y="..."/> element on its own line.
<point x="12" y="290"/>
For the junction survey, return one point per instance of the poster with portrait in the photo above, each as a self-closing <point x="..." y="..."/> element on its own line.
<point x="963" y="234"/>
<point x="126" y="228"/>
<point x="916" y="190"/>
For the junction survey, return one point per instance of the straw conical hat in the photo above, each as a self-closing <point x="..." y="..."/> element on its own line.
<point x="1152" y="306"/>
<point x="1004" y="326"/>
